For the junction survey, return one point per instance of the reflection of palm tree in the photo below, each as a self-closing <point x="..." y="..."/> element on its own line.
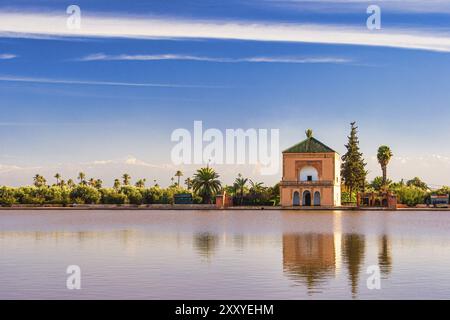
<point x="353" y="253"/>
<point x="206" y="243"/>
<point x="384" y="256"/>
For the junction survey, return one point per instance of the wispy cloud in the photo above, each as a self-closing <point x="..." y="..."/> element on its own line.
<point x="130" y="161"/>
<point x="46" y="24"/>
<point x="157" y="57"/>
<point x="9" y="78"/>
<point x="347" y="6"/>
<point x="7" y="56"/>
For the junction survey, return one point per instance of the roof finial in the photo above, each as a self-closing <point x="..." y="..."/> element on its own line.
<point x="309" y="133"/>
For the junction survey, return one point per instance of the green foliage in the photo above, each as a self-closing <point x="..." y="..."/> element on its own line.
<point x="353" y="170"/>
<point x="56" y="195"/>
<point x="346" y="198"/>
<point x="39" y="181"/>
<point x="410" y="195"/>
<point x="384" y="155"/>
<point x="133" y="194"/>
<point x="416" y="182"/>
<point x="7" y="196"/>
<point x="206" y="184"/>
<point x="445" y="190"/>
<point x="84" y="194"/>
<point x="377" y="184"/>
<point x="203" y="187"/>
<point x="112" y="196"/>
<point x="239" y="184"/>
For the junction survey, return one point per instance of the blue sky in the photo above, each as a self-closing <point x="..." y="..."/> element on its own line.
<point x="106" y="99"/>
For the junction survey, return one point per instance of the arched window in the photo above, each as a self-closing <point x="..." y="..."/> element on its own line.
<point x="306" y="198"/>
<point x="317" y="198"/>
<point x="308" y="173"/>
<point x="296" y="200"/>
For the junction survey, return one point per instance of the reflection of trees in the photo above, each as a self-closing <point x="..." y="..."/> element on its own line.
<point x="353" y="248"/>
<point x="238" y="241"/>
<point x="384" y="255"/>
<point x="309" y="258"/>
<point x="206" y="243"/>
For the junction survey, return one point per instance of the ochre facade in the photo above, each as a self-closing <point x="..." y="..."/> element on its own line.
<point x="310" y="178"/>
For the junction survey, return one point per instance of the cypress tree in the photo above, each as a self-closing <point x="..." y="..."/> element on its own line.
<point x="353" y="170"/>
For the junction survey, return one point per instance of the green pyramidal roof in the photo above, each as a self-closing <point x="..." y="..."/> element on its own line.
<point x="310" y="145"/>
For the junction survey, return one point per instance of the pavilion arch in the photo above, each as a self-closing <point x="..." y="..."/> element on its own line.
<point x="296" y="199"/>
<point x="317" y="198"/>
<point x="308" y="173"/>
<point x="307" y="198"/>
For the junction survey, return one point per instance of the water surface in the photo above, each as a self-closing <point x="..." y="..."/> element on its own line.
<point x="224" y="254"/>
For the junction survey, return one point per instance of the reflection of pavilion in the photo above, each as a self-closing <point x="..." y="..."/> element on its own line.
<point x="309" y="258"/>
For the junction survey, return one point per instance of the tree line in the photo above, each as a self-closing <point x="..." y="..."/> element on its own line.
<point x="354" y="176"/>
<point x="204" y="185"/>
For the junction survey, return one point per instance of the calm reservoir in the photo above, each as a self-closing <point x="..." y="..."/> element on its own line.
<point x="224" y="254"/>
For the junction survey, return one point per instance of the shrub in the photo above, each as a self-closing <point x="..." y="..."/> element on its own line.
<point x="133" y="194"/>
<point x="346" y="198"/>
<point x="410" y="195"/>
<point x="83" y="194"/>
<point x="111" y="196"/>
<point x="7" y="196"/>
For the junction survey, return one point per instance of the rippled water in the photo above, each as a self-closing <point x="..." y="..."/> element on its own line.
<point x="224" y="255"/>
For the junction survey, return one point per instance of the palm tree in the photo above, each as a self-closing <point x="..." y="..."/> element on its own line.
<point x="82" y="177"/>
<point x="257" y="191"/>
<point x="188" y="183"/>
<point x="240" y="183"/>
<point x="256" y="187"/>
<point x="98" y="183"/>
<point x="140" y="183"/>
<point x="384" y="155"/>
<point x="70" y="183"/>
<point x="39" y="181"/>
<point x="116" y="184"/>
<point x="179" y="174"/>
<point x="57" y="177"/>
<point x="126" y="179"/>
<point x="92" y="182"/>
<point x="206" y="183"/>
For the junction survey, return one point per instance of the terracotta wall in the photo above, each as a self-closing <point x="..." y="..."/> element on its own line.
<point x="328" y="166"/>
<point x="327" y="163"/>
<point x="326" y="195"/>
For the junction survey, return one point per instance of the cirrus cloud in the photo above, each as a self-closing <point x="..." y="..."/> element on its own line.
<point x="120" y="26"/>
<point x="157" y="57"/>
